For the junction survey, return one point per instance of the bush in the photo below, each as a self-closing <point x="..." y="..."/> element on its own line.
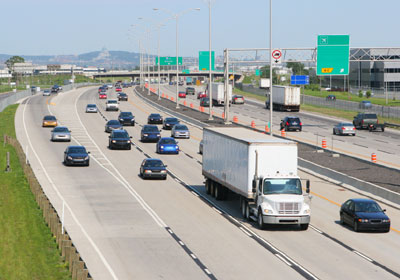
<point x="360" y="93"/>
<point x="313" y="87"/>
<point x="368" y="93"/>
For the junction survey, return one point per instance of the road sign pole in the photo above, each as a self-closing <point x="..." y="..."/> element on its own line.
<point x="210" y="66"/>
<point x="177" y="65"/>
<point x="270" y="68"/>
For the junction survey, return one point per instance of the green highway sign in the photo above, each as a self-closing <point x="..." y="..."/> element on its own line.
<point x="204" y="60"/>
<point x="333" y="55"/>
<point x="257" y="72"/>
<point x="186" y="71"/>
<point x="168" y="60"/>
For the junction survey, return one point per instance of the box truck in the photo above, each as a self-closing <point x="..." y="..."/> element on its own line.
<point x="264" y="83"/>
<point x="285" y="98"/>
<point x="218" y="94"/>
<point x="261" y="169"/>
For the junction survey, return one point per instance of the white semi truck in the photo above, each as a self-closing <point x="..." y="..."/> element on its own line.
<point x="218" y="94"/>
<point x="261" y="169"/>
<point x="285" y="98"/>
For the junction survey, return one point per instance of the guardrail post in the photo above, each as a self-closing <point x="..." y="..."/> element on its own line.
<point x="8" y="169"/>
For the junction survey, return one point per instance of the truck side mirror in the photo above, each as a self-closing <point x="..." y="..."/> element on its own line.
<point x="308" y="186"/>
<point x="254" y="185"/>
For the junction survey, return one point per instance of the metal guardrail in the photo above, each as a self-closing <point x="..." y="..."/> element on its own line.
<point x="13" y="98"/>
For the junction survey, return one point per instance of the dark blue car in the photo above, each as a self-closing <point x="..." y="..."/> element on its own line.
<point x="167" y="145"/>
<point x="76" y="155"/>
<point x="364" y="214"/>
<point x="126" y="118"/>
<point x="153" y="168"/>
<point x="155" y="118"/>
<point x="150" y="133"/>
<point x="170" y="122"/>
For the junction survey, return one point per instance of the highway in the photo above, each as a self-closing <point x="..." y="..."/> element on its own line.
<point x="125" y="227"/>
<point x="315" y="128"/>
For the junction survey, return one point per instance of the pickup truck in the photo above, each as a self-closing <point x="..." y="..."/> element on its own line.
<point x="367" y="120"/>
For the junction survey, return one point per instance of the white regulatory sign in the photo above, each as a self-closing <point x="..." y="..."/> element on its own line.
<point x="276" y="56"/>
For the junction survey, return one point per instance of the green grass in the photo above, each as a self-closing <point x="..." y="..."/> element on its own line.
<point x="351" y="97"/>
<point x="27" y="247"/>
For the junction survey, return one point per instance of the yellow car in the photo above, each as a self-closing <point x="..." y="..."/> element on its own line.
<point x="49" y="121"/>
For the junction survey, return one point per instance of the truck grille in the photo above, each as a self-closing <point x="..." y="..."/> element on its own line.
<point x="289" y="208"/>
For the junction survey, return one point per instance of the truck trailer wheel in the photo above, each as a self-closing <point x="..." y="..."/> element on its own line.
<point x="304" y="226"/>
<point x="208" y="186"/>
<point x="243" y="206"/>
<point x="218" y="191"/>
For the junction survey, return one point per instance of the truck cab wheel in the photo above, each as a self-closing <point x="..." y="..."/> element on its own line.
<point x="260" y="221"/>
<point x="304" y="226"/>
<point x="243" y="206"/>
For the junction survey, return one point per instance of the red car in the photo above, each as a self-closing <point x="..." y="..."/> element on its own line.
<point x="102" y="96"/>
<point x="201" y="95"/>
<point x="182" y="94"/>
<point x="118" y="89"/>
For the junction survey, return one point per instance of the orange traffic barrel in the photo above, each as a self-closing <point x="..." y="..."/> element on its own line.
<point x="172" y="99"/>
<point x="283" y="133"/>
<point x="253" y="124"/>
<point x="267" y="129"/>
<point x="162" y="95"/>
<point x="373" y="157"/>
<point x="235" y="119"/>
<point x="191" y="105"/>
<point x="167" y="96"/>
<point x="223" y="115"/>
<point x="184" y="102"/>
<point x="324" y="143"/>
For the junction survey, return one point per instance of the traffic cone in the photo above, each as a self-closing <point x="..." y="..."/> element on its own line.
<point x="283" y="132"/>
<point x="324" y="143"/>
<point x="267" y="129"/>
<point x="253" y="124"/>
<point x="373" y="157"/>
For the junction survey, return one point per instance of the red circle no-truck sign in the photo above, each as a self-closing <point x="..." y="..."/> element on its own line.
<point x="276" y="54"/>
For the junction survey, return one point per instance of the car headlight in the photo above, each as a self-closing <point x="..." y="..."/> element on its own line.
<point x="147" y="171"/>
<point x="128" y="141"/>
<point x="114" y="141"/>
<point x="145" y="135"/>
<point x="363" y="220"/>
<point x="121" y="120"/>
<point x="162" y="147"/>
<point x="158" y="135"/>
<point x="163" y="171"/>
<point x="69" y="157"/>
<point x="87" y="157"/>
<point x="176" y="147"/>
<point x="386" y="221"/>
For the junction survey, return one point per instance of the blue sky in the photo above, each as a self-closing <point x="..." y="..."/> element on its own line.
<point x="59" y="27"/>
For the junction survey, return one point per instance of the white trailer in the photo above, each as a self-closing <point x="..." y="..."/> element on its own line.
<point x="261" y="169"/>
<point x="218" y="94"/>
<point x="285" y="98"/>
<point x="264" y="83"/>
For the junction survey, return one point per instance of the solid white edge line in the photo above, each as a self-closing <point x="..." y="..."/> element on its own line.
<point x="314" y="228"/>
<point x="193" y="256"/>
<point x="207" y="271"/>
<point x="103" y="259"/>
<point x="245" y="231"/>
<point x="363" y="256"/>
<point x="283" y="259"/>
<point x="217" y="210"/>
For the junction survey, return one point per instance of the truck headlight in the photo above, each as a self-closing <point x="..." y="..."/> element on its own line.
<point x="267" y="211"/>
<point x="307" y="211"/>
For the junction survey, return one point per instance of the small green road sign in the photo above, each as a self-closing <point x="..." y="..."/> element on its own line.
<point x="257" y="72"/>
<point x="186" y="71"/>
<point x="168" y="60"/>
<point x="204" y="60"/>
<point x="333" y="55"/>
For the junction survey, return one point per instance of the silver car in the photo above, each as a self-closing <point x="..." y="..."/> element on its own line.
<point x="61" y="133"/>
<point x="180" y="131"/>
<point x="46" y="92"/>
<point x="112" y="104"/>
<point x="91" y="108"/>
<point x="344" y="129"/>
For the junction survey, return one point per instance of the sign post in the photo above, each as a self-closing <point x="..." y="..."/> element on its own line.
<point x="333" y="55"/>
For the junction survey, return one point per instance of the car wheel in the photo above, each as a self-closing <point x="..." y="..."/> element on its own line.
<point x="355" y="226"/>
<point x="130" y="147"/>
<point x="300" y="129"/>
<point x="260" y="221"/>
<point x="383" y="129"/>
<point x="334" y="132"/>
<point x="165" y="178"/>
<point x="341" y="219"/>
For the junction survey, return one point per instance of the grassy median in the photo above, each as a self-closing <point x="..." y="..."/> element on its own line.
<point x="27" y="247"/>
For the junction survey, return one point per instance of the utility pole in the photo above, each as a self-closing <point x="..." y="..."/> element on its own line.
<point x="271" y="104"/>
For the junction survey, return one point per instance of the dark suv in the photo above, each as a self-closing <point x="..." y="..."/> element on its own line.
<point x="364" y="120"/>
<point x="190" y="90"/>
<point x="119" y="139"/>
<point x="291" y="123"/>
<point x="126" y="118"/>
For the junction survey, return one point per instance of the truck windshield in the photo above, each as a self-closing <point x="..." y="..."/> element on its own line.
<point x="282" y="186"/>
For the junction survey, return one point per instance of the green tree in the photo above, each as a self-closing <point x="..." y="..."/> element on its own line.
<point x="368" y="93"/>
<point x="360" y="93"/>
<point x="297" y="68"/>
<point x="10" y="64"/>
<point x="265" y="74"/>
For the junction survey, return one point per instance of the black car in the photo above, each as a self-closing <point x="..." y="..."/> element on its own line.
<point x="291" y="123"/>
<point x="331" y="97"/>
<point x="56" y="89"/>
<point x="126" y="118"/>
<point x="204" y="102"/>
<point x="150" y="133"/>
<point x="113" y="125"/>
<point x="155" y="118"/>
<point x="76" y="155"/>
<point x="122" y="97"/>
<point x="170" y="122"/>
<point x="153" y="168"/>
<point x="364" y="214"/>
<point x="119" y="139"/>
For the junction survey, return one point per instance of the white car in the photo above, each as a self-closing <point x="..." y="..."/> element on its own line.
<point x="91" y="108"/>
<point x="61" y="133"/>
<point x="46" y="92"/>
<point x="112" y="105"/>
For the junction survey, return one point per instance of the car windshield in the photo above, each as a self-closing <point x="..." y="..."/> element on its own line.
<point x="49" y="118"/>
<point x="150" y="129"/>
<point x="168" y="141"/>
<point x="77" y="150"/>
<point x="294" y="120"/>
<point x="370" y="116"/>
<point x="180" y="127"/>
<point x="61" y="129"/>
<point x="126" y="114"/>
<point x="114" y="122"/>
<point x="346" y="124"/>
<point x="112" y="101"/>
<point x="282" y="186"/>
<point x="91" y="105"/>
<point x="171" y="120"/>
<point x="367" y="206"/>
<point x="122" y="94"/>
<point x="154" y="163"/>
<point x="121" y="134"/>
<point x="154" y="116"/>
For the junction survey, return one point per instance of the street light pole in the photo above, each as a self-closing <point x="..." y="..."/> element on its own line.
<point x="210" y="60"/>
<point x="271" y="104"/>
